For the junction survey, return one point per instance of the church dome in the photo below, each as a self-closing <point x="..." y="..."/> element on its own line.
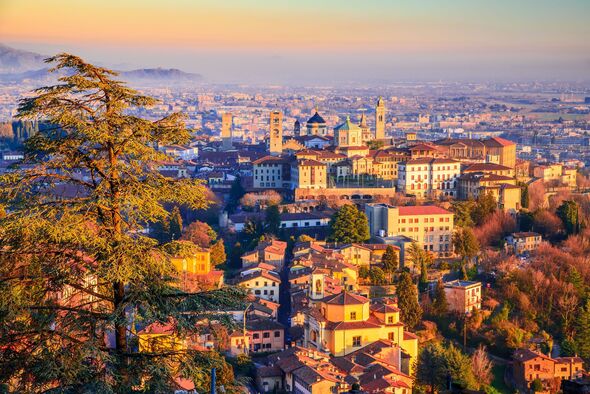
<point x="347" y="126"/>
<point x="316" y="119"/>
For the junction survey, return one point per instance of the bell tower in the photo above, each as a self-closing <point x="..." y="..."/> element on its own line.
<point x="276" y="133"/>
<point x="226" y="131"/>
<point x="380" y="119"/>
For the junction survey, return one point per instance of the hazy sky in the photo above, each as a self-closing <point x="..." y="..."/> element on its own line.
<point x="315" y="41"/>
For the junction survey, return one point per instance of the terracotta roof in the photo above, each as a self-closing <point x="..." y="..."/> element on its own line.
<point x="422" y="210"/>
<point x="266" y="371"/>
<point x="483" y="167"/>
<point x="310" y="162"/>
<point x="263" y="325"/>
<point x="497" y="141"/>
<point x="525" y="234"/>
<point x="524" y="355"/>
<point x="384" y="308"/>
<point x="568" y="360"/>
<point x="270" y="159"/>
<point x="257" y="274"/>
<point x="159" y="328"/>
<point x="422" y="146"/>
<point x="345" y="298"/>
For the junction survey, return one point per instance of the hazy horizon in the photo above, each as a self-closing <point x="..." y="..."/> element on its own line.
<point x="374" y="41"/>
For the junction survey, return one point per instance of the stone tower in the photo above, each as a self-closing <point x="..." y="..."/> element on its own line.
<point x="276" y="133"/>
<point x="380" y="119"/>
<point x="226" y="131"/>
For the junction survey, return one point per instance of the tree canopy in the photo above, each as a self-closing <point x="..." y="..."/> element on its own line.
<point x="76" y="268"/>
<point x="407" y="294"/>
<point x="568" y="213"/>
<point x="349" y="225"/>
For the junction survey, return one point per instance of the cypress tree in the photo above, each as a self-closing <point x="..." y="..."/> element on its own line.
<point x="407" y="294"/>
<point x="440" y="306"/>
<point x="175" y="226"/>
<point x="582" y="325"/>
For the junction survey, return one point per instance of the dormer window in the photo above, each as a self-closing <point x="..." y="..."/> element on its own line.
<point x="352" y="315"/>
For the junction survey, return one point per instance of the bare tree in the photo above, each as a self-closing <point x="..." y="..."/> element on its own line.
<point x="482" y="366"/>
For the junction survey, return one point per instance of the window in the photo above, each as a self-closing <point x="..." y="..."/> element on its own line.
<point x="391" y="336"/>
<point x="255" y="336"/>
<point x="257" y="292"/>
<point x="277" y="334"/>
<point x="390" y="319"/>
<point x="352" y="315"/>
<point x="266" y="335"/>
<point x="356" y="341"/>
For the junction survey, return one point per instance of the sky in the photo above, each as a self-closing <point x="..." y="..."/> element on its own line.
<point x="315" y="41"/>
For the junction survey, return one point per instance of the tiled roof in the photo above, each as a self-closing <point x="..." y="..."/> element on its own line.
<point x="486" y="167"/>
<point x="422" y="210"/>
<point x="345" y="298"/>
<point x="497" y="141"/>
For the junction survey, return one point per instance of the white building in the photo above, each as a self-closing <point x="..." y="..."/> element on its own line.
<point x="261" y="282"/>
<point x="271" y="172"/>
<point x="428" y="177"/>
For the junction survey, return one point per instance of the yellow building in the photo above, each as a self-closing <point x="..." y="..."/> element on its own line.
<point x="503" y="188"/>
<point x="500" y="151"/>
<point x="345" y="322"/>
<point x="159" y="337"/>
<point x="309" y="174"/>
<point x="348" y="134"/>
<point x="556" y="172"/>
<point x="197" y="264"/>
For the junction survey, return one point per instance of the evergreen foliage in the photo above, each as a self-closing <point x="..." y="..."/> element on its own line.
<point x="407" y="294"/>
<point x="390" y="261"/>
<point x="440" y="306"/>
<point x="582" y="328"/>
<point x="77" y="270"/>
<point x="349" y="225"/>
<point x="568" y="213"/>
<point x="272" y="221"/>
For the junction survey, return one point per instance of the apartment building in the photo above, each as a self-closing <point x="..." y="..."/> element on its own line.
<point x="491" y="150"/>
<point x="427" y="177"/>
<point x="521" y="242"/>
<point x="463" y="296"/>
<point x="503" y="188"/>
<point x="556" y="172"/>
<point x="528" y="365"/>
<point x="261" y="280"/>
<point x="271" y="172"/>
<point x="430" y="226"/>
<point x="309" y="174"/>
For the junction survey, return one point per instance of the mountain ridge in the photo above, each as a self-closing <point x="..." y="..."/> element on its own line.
<point x="17" y="65"/>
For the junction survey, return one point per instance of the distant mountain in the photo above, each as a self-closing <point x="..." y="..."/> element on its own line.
<point x="160" y="74"/>
<point x="17" y="65"/>
<point x="18" y="61"/>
